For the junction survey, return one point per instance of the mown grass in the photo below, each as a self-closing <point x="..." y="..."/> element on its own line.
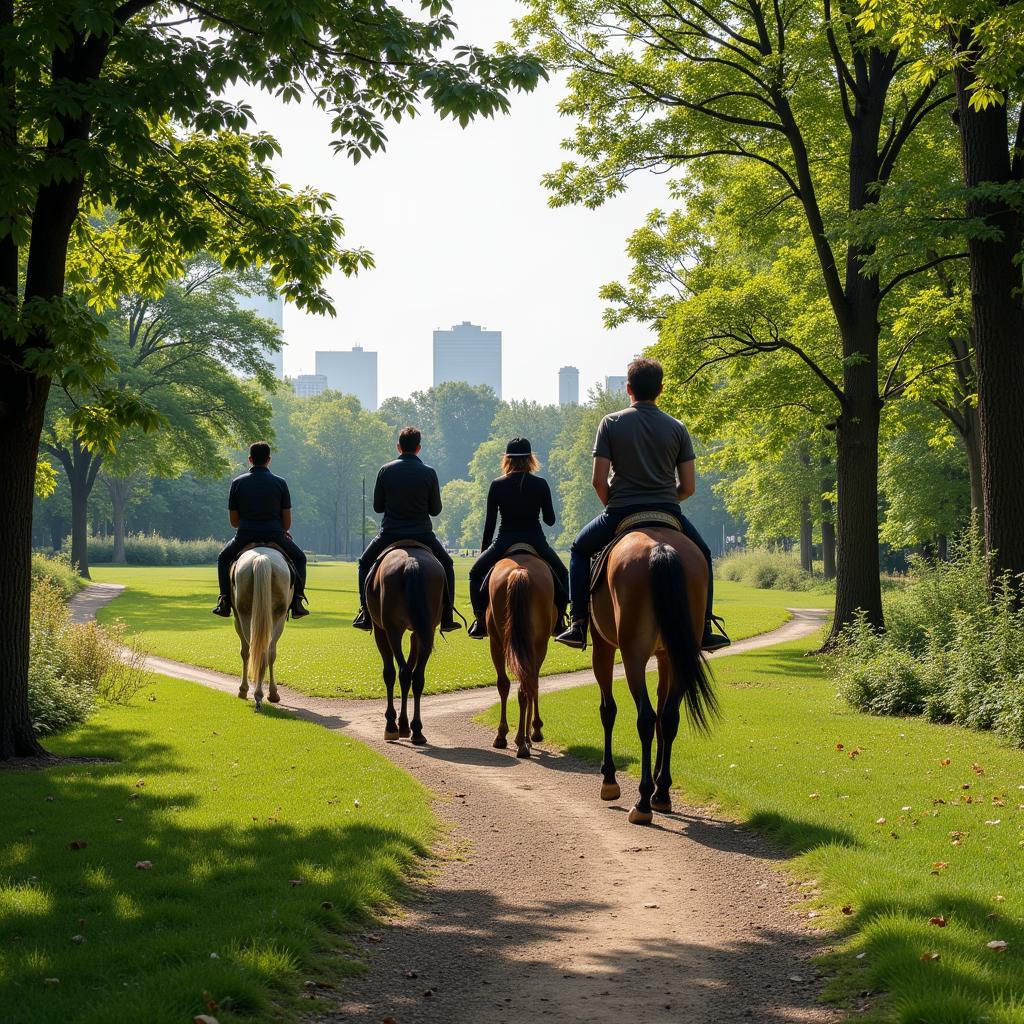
<point x="230" y="808"/>
<point x="323" y="656"/>
<point x="896" y="820"/>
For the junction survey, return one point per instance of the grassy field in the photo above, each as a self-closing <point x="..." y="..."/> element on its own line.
<point x="913" y="833"/>
<point x="323" y="656"/>
<point x="269" y="839"/>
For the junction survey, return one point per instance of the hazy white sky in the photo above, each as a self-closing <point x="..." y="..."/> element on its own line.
<point x="460" y="228"/>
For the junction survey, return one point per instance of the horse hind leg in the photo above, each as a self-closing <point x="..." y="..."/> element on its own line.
<point x="522" y="745"/>
<point x="667" y="727"/>
<point x="504" y="685"/>
<point x="390" y="716"/>
<point x="418" y="668"/>
<point x="604" y="668"/>
<point x="243" y="690"/>
<point x="646" y="723"/>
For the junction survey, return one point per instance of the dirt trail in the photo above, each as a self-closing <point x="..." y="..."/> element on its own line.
<point x="550" y="905"/>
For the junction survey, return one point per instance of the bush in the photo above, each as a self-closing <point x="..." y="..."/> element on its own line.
<point x="152" y="549"/>
<point x="71" y="666"/>
<point x="948" y="652"/>
<point x="764" y="569"/>
<point x="56" y="570"/>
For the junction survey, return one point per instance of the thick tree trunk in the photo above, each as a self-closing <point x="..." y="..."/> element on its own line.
<point x="119" y="488"/>
<point x="998" y="321"/>
<point x="828" y="546"/>
<point x="806" y="536"/>
<point x="971" y="440"/>
<point x="22" y="407"/>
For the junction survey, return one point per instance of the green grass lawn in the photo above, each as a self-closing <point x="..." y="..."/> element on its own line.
<point x="897" y="820"/>
<point x="229" y="807"/>
<point x="323" y="656"/>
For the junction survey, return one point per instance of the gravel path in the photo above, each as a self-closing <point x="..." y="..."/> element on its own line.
<point x="546" y="904"/>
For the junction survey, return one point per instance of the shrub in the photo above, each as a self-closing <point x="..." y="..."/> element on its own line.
<point x="72" y="665"/>
<point x="948" y="652"/>
<point x="56" y="570"/>
<point x="764" y="569"/>
<point x="152" y="549"/>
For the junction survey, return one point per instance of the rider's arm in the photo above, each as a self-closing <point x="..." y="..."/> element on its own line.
<point x="687" y="479"/>
<point x="435" y="495"/>
<point x="233" y="514"/>
<point x="286" y="519"/>
<point x="602" y="467"/>
<point x="379" y="502"/>
<point x="234" y="517"/>
<point x="492" y="519"/>
<point x="547" y="510"/>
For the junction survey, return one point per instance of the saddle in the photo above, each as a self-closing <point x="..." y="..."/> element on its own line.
<point x="405" y="545"/>
<point x="632" y="523"/>
<point x="267" y="544"/>
<point x="521" y="547"/>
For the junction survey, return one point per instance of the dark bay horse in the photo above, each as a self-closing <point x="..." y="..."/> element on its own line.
<point x="520" y="617"/>
<point x="405" y="595"/>
<point x="652" y="603"/>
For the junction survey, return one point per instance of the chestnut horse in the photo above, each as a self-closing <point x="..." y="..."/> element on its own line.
<point x="652" y="602"/>
<point x="405" y="595"/>
<point x="520" y="617"/>
<point x="261" y="594"/>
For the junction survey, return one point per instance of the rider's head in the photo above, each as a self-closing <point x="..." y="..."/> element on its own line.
<point x="259" y="453"/>
<point x="519" y="457"/>
<point x="644" y="380"/>
<point x="409" y="441"/>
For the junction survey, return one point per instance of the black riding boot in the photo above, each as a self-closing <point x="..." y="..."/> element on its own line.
<point x="298" y="611"/>
<point x="223" y="608"/>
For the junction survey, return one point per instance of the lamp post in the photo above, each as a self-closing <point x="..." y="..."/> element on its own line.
<point x="364" y="511"/>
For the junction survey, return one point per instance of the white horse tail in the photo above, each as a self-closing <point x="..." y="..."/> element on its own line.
<point x="261" y="622"/>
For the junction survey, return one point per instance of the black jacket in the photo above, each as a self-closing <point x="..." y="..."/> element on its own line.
<point x="408" y="494"/>
<point x="522" y="499"/>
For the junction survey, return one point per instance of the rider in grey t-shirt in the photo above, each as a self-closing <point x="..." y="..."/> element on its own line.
<point x="643" y="460"/>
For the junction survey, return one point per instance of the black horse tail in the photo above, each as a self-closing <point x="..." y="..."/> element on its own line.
<point x="416" y="605"/>
<point x="520" y="654"/>
<point x="671" y="604"/>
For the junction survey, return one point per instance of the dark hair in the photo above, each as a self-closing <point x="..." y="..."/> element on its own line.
<point x="259" y="452"/>
<point x="409" y="440"/>
<point x="645" y="377"/>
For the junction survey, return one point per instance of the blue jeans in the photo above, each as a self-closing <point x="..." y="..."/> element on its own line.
<point x="600" y="532"/>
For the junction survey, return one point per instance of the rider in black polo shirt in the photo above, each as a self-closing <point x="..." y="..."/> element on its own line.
<point x="408" y="493"/>
<point x="260" y="508"/>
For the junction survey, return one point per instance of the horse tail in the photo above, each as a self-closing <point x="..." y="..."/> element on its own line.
<point x="519" y="652"/>
<point x="415" y="583"/>
<point x="671" y="605"/>
<point x="261" y="621"/>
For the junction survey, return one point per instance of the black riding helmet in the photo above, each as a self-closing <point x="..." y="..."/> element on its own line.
<point x="518" y="446"/>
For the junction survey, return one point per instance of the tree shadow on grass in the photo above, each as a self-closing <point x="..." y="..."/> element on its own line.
<point x="117" y="882"/>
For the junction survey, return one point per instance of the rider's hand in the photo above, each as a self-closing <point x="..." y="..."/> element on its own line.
<point x="288" y="534"/>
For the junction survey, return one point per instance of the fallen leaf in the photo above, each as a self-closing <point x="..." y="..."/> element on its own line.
<point x="327" y="905"/>
<point x="51" y="982"/>
<point x="140" y="783"/>
<point x="78" y="940"/>
<point x="204" y="1018"/>
<point x="994" y="821"/>
<point x="907" y="808"/>
<point x="977" y="769"/>
<point x="945" y="762"/>
<point x="356" y="803"/>
<point x="932" y="955"/>
<point x="211" y="1003"/>
<point x="940" y="865"/>
<point x="813" y="914"/>
<point x="144" y="865"/>
<point x="77" y="844"/>
<point x="847" y="909"/>
<point x="839" y="746"/>
<point x="880" y="821"/>
<point x="295" y="881"/>
<point x="813" y="796"/>
<point x="999" y="899"/>
<point x="939" y="922"/>
<point x="997" y="945"/>
<point x="860" y="956"/>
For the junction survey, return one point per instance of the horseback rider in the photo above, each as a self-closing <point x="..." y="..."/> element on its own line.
<point x="260" y="509"/>
<point x="643" y="461"/>
<point x="408" y="493"/>
<point x="522" y="499"/>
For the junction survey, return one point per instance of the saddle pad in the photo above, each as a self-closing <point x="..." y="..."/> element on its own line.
<point x="405" y="545"/>
<point x="632" y="523"/>
<point x="519" y="548"/>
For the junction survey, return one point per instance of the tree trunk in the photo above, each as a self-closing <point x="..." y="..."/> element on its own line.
<point x="22" y="407"/>
<point x="806" y="537"/>
<point x="942" y="548"/>
<point x="119" y="488"/>
<point x="828" y="545"/>
<point x="998" y="322"/>
<point x="971" y="441"/>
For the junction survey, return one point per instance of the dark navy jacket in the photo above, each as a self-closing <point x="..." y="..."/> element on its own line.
<point x="408" y="493"/>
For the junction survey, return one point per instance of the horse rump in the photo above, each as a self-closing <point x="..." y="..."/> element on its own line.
<point x="671" y="613"/>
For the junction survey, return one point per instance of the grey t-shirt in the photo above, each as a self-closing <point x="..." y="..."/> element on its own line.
<point x="644" y="445"/>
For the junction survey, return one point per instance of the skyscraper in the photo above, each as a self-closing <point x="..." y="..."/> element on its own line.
<point x="273" y="310"/>
<point x="614" y="384"/>
<point x="568" y="386"/>
<point x="309" y="385"/>
<point x="351" y="373"/>
<point x="468" y="353"/>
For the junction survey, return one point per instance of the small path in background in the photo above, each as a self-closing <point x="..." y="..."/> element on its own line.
<point x="549" y="906"/>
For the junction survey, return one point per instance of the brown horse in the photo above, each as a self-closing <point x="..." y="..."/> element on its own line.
<point x="405" y="595"/>
<point x="652" y="603"/>
<point x="520" y="617"/>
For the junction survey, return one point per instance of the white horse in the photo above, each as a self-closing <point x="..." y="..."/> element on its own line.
<point x="261" y="594"/>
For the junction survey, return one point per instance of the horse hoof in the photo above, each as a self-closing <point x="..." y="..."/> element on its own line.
<point x="661" y="806"/>
<point x="537" y="737"/>
<point x="610" y="791"/>
<point x="638" y="817"/>
<point x="523" y="751"/>
<point x="259" y="706"/>
<point x="419" y="740"/>
<point x="391" y="734"/>
<point x="243" y="696"/>
<point x="274" y="698"/>
<point x="404" y="732"/>
<point x="500" y="743"/>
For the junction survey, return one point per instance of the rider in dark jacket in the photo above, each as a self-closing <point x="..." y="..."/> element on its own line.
<point x="521" y="499"/>
<point x="408" y="493"/>
<point x="260" y="508"/>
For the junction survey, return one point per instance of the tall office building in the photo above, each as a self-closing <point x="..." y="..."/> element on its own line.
<point x="309" y="385"/>
<point x="568" y="386"/>
<point x="613" y="384"/>
<point x="269" y="309"/>
<point x="351" y="373"/>
<point x="468" y="353"/>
